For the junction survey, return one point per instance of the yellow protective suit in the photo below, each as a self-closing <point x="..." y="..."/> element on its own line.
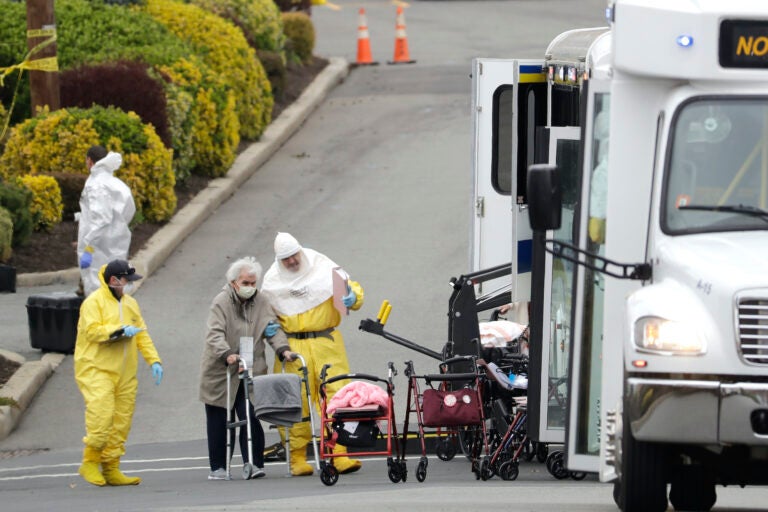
<point x="318" y="352"/>
<point x="105" y="371"/>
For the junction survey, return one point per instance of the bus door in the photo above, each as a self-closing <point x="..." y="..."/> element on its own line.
<point x="584" y="407"/>
<point x="509" y="99"/>
<point x="551" y="296"/>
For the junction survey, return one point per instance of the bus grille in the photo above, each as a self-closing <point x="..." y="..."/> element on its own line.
<point x="753" y="330"/>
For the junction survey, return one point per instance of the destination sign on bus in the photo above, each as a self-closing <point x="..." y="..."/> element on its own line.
<point x="744" y="44"/>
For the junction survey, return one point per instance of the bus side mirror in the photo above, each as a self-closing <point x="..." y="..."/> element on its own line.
<point x="545" y="198"/>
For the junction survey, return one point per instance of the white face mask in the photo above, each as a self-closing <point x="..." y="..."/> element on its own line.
<point x="128" y="288"/>
<point x="246" y="292"/>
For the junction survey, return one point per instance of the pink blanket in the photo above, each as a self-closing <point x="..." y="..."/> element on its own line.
<point x="357" y="394"/>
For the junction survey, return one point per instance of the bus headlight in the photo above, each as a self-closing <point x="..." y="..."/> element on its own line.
<point x="662" y="336"/>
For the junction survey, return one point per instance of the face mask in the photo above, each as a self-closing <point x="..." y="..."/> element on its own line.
<point x="128" y="288"/>
<point x="246" y="292"/>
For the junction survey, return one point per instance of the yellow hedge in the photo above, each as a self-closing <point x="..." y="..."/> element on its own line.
<point x="57" y="142"/>
<point x="46" y="206"/>
<point x="225" y="51"/>
<point x="203" y="118"/>
<point x="6" y="234"/>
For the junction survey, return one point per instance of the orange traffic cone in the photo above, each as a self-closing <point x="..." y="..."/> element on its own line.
<point x="401" y="40"/>
<point x="363" y="43"/>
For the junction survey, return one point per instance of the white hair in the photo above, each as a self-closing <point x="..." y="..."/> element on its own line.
<point x="247" y="264"/>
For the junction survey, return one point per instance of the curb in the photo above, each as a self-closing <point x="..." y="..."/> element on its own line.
<point x="29" y="378"/>
<point x="22" y="388"/>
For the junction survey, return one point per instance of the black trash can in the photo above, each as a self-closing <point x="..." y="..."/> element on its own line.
<point x="7" y="278"/>
<point x="53" y="321"/>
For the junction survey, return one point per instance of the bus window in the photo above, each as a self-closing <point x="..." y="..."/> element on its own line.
<point x="716" y="178"/>
<point x="503" y="101"/>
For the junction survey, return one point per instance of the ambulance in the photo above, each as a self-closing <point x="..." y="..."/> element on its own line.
<point x="625" y="176"/>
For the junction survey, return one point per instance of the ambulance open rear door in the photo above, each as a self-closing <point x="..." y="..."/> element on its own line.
<point x="508" y="102"/>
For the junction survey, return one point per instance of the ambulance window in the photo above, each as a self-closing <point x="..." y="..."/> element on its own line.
<point x="716" y="166"/>
<point x="503" y="128"/>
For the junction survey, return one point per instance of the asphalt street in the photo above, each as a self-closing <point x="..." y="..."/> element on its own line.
<point x="378" y="179"/>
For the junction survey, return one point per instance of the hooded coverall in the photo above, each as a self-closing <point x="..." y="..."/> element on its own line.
<point x="105" y="371"/>
<point x="106" y="209"/>
<point x="317" y="351"/>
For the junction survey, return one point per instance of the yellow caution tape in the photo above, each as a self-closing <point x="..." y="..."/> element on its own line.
<point x="45" y="64"/>
<point x="41" y="32"/>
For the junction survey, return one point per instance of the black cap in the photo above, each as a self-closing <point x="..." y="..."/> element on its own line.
<point x="120" y="268"/>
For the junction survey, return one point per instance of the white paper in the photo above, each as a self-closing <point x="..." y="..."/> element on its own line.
<point x="246" y="350"/>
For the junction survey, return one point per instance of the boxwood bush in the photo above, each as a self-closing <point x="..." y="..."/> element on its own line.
<point x="16" y="201"/>
<point x="301" y="34"/>
<point x="57" y="142"/>
<point x="203" y="111"/>
<point x="45" y="204"/>
<point x="259" y="20"/>
<point x="225" y="51"/>
<point x="6" y="234"/>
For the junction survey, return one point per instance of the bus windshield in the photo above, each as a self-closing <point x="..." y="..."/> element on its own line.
<point x="717" y="174"/>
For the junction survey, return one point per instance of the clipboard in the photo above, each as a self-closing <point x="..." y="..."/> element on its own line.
<point x="340" y="289"/>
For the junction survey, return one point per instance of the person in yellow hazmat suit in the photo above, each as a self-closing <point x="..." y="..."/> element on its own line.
<point x="110" y="333"/>
<point x="299" y="285"/>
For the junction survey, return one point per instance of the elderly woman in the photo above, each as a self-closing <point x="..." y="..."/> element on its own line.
<point x="239" y="317"/>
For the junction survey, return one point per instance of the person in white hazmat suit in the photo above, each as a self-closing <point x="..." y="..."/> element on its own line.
<point x="106" y="208"/>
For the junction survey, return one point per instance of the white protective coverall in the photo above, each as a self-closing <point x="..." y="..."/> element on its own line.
<point x="303" y="301"/>
<point x="106" y="208"/>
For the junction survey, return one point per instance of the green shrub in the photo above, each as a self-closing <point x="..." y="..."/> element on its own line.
<point x="225" y="51"/>
<point x="301" y="33"/>
<point x="57" y="142"/>
<point x="6" y="234"/>
<point x="259" y="20"/>
<point x="88" y="32"/>
<point x="45" y="206"/>
<point x="71" y="186"/>
<point x="274" y="66"/>
<point x="204" y="123"/>
<point x="16" y="200"/>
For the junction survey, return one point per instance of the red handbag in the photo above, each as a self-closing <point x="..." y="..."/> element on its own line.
<point x="450" y="408"/>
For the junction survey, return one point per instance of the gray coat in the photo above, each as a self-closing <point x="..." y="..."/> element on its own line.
<point x="228" y="320"/>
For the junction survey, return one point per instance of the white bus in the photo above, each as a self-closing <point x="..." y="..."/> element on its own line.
<point x="649" y="261"/>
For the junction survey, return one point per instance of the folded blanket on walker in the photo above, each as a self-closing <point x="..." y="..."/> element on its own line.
<point x="357" y="394"/>
<point x="277" y="398"/>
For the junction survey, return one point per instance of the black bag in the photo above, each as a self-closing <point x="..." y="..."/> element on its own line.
<point x="358" y="434"/>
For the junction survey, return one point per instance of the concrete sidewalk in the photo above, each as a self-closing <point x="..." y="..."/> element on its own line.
<point x="28" y="379"/>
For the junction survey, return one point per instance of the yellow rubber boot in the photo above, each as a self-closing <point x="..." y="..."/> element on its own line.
<point x="89" y="469"/>
<point x="113" y="475"/>
<point x="345" y="464"/>
<point x="299" y="465"/>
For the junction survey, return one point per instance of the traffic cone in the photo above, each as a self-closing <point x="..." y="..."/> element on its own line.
<point x="401" y="40"/>
<point x="363" y="43"/>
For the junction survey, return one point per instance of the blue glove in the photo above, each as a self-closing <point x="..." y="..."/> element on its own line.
<point x="86" y="259"/>
<point x="157" y="373"/>
<point x="131" y="331"/>
<point x="349" y="299"/>
<point x="271" y="329"/>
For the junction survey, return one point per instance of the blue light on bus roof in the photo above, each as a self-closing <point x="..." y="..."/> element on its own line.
<point x="684" y="41"/>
